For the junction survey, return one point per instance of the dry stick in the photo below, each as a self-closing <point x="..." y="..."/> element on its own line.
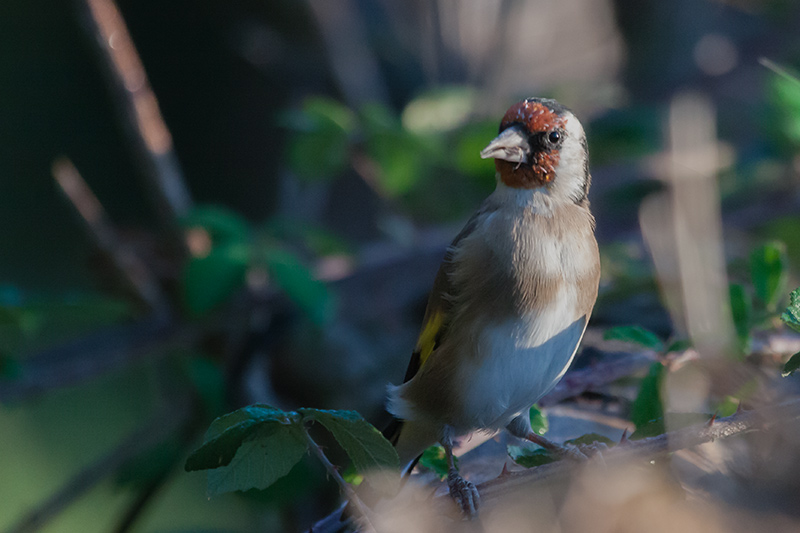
<point x="141" y="440"/>
<point x="739" y="423"/>
<point x="138" y="107"/>
<point x="100" y="228"/>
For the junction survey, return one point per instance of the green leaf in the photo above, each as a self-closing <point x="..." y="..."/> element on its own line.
<point x="469" y="142"/>
<point x="223" y="225"/>
<point x="266" y="455"/>
<point x="769" y="271"/>
<point x="647" y="405"/>
<point x="319" y="146"/>
<point x="539" y="421"/>
<point x="440" y="110"/>
<point x="529" y="458"/>
<point x="435" y="459"/>
<point x="227" y="433"/>
<point x="366" y="447"/>
<point x="742" y="311"/>
<point x="590" y="438"/>
<point x="671" y="421"/>
<point x="209" y="281"/>
<point x="635" y="334"/>
<point x="296" y="280"/>
<point x="791" y="365"/>
<point x="791" y="316"/>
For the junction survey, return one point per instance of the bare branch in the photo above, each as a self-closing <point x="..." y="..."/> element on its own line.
<point x="138" y="107"/>
<point x="100" y="228"/>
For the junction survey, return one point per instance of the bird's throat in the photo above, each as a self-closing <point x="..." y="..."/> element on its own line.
<point x="528" y="176"/>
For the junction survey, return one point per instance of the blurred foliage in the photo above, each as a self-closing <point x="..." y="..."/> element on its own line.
<point x="435" y="460"/>
<point x="407" y="157"/>
<point x="791" y="317"/>
<point x="255" y="446"/>
<point x="219" y="269"/>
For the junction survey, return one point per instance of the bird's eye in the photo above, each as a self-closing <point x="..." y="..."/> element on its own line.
<point x="554" y="137"/>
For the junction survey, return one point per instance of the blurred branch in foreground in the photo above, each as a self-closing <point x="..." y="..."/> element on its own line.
<point x="147" y="132"/>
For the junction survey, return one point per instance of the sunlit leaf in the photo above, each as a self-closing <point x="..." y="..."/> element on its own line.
<point x="443" y="109"/>
<point x="635" y="334"/>
<point x="539" y="422"/>
<point x="435" y="459"/>
<point x="791" y="316"/>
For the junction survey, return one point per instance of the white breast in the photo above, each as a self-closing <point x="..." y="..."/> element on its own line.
<point x="520" y="361"/>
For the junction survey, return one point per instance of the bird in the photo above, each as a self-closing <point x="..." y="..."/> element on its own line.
<point x="511" y="300"/>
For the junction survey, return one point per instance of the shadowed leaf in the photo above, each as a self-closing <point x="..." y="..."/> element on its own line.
<point x="635" y="334"/>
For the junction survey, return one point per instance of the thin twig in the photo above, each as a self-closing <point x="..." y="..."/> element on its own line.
<point x="348" y="491"/>
<point x="132" y="269"/>
<point x="141" y="440"/>
<point x="723" y="428"/>
<point x="138" y="107"/>
<point x="93" y="355"/>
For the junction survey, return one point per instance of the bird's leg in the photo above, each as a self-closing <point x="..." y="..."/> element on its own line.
<point x="462" y="491"/>
<point x="520" y="427"/>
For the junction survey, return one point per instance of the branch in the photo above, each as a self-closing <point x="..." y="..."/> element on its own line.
<point x="93" y="355"/>
<point x="133" y="270"/>
<point x="138" y="442"/>
<point x="689" y="437"/>
<point x="138" y="107"/>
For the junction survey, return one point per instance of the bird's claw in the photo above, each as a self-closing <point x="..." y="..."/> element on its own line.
<point x="465" y="494"/>
<point x="582" y="452"/>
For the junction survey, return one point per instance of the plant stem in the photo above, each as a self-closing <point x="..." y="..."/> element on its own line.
<point x="348" y="491"/>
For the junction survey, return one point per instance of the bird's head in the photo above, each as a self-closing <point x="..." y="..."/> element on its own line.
<point x="542" y="145"/>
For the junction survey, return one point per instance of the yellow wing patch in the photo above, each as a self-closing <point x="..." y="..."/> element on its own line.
<point x="427" y="339"/>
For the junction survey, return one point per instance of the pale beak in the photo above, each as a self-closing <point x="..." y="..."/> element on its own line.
<point x="511" y="145"/>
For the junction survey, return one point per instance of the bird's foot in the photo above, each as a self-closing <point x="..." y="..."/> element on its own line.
<point x="575" y="452"/>
<point x="464" y="493"/>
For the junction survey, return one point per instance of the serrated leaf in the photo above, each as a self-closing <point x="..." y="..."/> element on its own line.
<point x="647" y="405"/>
<point x="435" y="459"/>
<point x="209" y="281"/>
<point x="366" y="447"/>
<point x="223" y="225"/>
<point x="268" y="454"/>
<point x="227" y="433"/>
<point x="295" y="279"/>
<point x="539" y="422"/>
<point x="769" y="271"/>
<point x="791" y="316"/>
<point x="530" y="458"/>
<point x="635" y="334"/>
<point x="791" y="365"/>
<point x="742" y="311"/>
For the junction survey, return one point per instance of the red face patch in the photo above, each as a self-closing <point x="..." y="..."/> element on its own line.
<point x="535" y="117"/>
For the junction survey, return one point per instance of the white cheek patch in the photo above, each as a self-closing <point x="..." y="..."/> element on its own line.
<point x="570" y="171"/>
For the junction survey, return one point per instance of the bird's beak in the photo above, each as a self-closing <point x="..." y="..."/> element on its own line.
<point x="511" y="145"/>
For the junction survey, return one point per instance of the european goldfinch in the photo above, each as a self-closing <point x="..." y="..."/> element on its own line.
<point x="512" y="297"/>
